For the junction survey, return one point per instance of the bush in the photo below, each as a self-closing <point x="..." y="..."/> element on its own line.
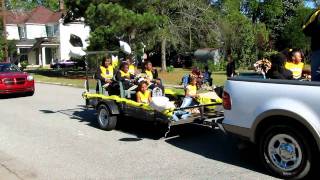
<point x="219" y="66"/>
<point x="170" y="69"/>
<point x="24" y="65"/>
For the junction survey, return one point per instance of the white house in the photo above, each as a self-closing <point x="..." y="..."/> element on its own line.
<point x="41" y="37"/>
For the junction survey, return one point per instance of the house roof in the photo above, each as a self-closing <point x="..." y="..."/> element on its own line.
<point x="17" y="17"/>
<point x="39" y="15"/>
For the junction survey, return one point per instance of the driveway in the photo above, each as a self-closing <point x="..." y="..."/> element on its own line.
<point x="51" y="135"/>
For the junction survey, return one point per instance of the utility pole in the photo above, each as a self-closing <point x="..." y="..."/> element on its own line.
<point x="3" y="11"/>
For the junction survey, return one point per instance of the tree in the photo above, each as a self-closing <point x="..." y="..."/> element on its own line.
<point x="275" y="14"/>
<point x="30" y="4"/>
<point x="2" y="44"/>
<point x="189" y="24"/>
<point x="112" y="21"/>
<point x="238" y="35"/>
<point x="292" y="34"/>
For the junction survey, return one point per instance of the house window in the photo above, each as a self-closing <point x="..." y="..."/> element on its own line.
<point x="56" y="29"/>
<point x="52" y="30"/>
<point x="22" y="32"/>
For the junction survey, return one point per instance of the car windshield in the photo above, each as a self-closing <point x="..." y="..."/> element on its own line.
<point x="9" y="68"/>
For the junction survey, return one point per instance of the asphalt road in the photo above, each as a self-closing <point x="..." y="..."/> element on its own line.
<point x="52" y="136"/>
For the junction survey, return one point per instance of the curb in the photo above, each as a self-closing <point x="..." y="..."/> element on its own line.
<point x="55" y="83"/>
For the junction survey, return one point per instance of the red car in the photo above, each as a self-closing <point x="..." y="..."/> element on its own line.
<point x="13" y="80"/>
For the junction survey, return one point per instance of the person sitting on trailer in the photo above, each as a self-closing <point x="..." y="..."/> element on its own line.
<point x="123" y="75"/>
<point x="207" y="76"/>
<point x="196" y="73"/>
<point x="143" y="94"/>
<point x="190" y="93"/>
<point x="150" y="72"/>
<point x="189" y="100"/>
<point x="152" y="76"/>
<point x="105" y="72"/>
<point x="132" y="68"/>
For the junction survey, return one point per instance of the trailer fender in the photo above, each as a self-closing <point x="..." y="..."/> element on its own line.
<point x="113" y="107"/>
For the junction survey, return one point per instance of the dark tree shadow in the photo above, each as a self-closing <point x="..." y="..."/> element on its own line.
<point x="204" y="141"/>
<point x="65" y="73"/>
<point x="48" y="111"/>
<point x="80" y="114"/>
<point x="214" y="144"/>
<point x="12" y="96"/>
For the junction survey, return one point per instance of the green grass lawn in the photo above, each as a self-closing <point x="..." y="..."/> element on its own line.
<point x="77" y="79"/>
<point x="174" y="78"/>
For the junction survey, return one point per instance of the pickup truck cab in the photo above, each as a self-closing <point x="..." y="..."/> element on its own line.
<point x="281" y="116"/>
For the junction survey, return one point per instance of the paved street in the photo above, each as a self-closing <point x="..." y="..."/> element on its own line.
<point x="52" y="136"/>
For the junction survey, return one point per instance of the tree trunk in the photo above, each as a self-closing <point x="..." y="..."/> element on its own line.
<point x="190" y="38"/>
<point x="163" y="55"/>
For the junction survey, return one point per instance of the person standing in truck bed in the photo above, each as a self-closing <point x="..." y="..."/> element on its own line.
<point x="312" y="28"/>
<point x="278" y="71"/>
<point x="295" y="65"/>
<point x="231" y="67"/>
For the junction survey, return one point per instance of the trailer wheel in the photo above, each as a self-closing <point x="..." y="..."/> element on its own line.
<point x="105" y="119"/>
<point x="286" y="152"/>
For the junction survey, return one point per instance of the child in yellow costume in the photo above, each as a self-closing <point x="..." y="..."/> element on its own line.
<point x="295" y="66"/>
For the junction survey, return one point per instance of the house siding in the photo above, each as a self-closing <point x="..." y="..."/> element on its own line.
<point x="35" y="24"/>
<point x="35" y="31"/>
<point x="13" y="32"/>
<point x="78" y="29"/>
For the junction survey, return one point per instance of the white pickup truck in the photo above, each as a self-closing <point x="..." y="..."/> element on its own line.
<point x="281" y="116"/>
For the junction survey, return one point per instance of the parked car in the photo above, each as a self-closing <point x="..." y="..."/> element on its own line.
<point x="281" y="116"/>
<point x="68" y="64"/>
<point x="13" y="80"/>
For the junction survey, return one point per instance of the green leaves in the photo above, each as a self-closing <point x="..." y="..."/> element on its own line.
<point x="30" y="4"/>
<point x="245" y="28"/>
<point x="109" y="21"/>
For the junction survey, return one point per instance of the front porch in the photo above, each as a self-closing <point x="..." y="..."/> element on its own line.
<point x="38" y="53"/>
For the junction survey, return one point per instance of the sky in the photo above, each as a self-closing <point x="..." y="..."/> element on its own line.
<point x="310" y="4"/>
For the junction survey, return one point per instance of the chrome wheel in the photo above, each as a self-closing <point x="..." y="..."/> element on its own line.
<point x="284" y="152"/>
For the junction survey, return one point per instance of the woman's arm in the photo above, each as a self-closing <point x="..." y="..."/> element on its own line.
<point x="101" y="75"/>
<point x="149" y="98"/>
<point x="138" y="97"/>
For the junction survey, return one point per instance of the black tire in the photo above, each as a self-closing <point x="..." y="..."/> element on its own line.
<point x="105" y="120"/>
<point x="30" y="93"/>
<point x="271" y="138"/>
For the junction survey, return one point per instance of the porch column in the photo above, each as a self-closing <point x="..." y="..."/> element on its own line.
<point x="39" y="56"/>
<point x="43" y="56"/>
<point x="18" y="52"/>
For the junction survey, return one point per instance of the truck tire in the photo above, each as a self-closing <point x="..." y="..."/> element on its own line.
<point x="105" y="120"/>
<point x="31" y="93"/>
<point x="285" y="152"/>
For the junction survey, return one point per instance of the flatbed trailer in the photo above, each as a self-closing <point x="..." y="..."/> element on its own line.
<point x="110" y="108"/>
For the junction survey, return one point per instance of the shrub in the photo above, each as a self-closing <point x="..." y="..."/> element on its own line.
<point x="24" y="65"/>
<point x="219" y="66"/>
<point x="170" y="69"/>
